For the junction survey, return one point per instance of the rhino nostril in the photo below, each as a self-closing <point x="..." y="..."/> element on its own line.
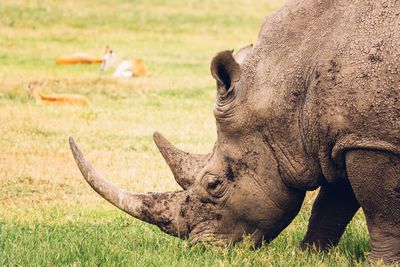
<point x="187" y="199"/>
<point x="183" y="212"/>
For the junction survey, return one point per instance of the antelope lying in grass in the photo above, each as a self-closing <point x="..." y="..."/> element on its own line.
<point x="131" y="68"/>
<point x="62" y="99"/>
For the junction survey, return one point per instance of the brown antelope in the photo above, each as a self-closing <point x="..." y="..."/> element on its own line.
<point x="62" y="99"/>
<point x="78" y="58"/>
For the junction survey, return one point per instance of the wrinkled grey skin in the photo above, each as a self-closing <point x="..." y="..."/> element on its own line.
<point x="314" y="103"/>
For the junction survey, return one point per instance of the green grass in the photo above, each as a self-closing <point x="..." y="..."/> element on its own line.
<point x="120" y="240"/>
<point x="48" y="215"/>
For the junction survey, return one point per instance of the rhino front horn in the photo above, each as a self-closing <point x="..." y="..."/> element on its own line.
<point x="160" y="209"/>
<point x="183" y="165"/>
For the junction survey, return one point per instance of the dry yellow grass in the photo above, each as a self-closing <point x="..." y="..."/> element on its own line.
<point x="36" y="166"/>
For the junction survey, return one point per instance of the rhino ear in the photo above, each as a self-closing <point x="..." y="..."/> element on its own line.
<point x="225" y="70"/>
<point x="242" y="53"/>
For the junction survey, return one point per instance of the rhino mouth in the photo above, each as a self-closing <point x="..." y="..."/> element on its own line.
<point x="256" y="238"/>
<point x="209" y="238"/>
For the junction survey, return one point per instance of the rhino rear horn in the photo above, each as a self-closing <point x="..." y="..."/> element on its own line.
<point x="183" y="165"/>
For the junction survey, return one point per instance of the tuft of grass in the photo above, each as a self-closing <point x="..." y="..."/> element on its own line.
<point x="48" y="214"/>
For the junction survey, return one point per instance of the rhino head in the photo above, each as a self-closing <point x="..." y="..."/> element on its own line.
<point x="234" y="191"/>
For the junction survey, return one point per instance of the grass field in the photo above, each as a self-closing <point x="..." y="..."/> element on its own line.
<point x="48" y="215"/>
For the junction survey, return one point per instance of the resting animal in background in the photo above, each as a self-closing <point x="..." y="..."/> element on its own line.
<point x="314" y="104"/>
<point x="63" y="99"/>
<point x="131" y="68"/>
<point x="108" y="59"/>
<point x="78" y="58"/>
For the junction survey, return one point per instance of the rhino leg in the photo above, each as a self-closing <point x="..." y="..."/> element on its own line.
<point x="333" y="209"/>
<point x="375" y="178"/>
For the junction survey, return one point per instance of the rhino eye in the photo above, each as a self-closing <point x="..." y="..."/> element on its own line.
<point x="215" y="185"/>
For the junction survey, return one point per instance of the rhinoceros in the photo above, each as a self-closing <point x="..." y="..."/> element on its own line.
<point x="314" y="103"/>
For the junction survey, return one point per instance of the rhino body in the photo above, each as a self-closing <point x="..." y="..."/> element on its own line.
<point x="315" y="103"/>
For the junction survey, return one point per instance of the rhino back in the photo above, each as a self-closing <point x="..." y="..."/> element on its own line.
<point x="354" y="88"/>
<point x="324" y="76"/>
